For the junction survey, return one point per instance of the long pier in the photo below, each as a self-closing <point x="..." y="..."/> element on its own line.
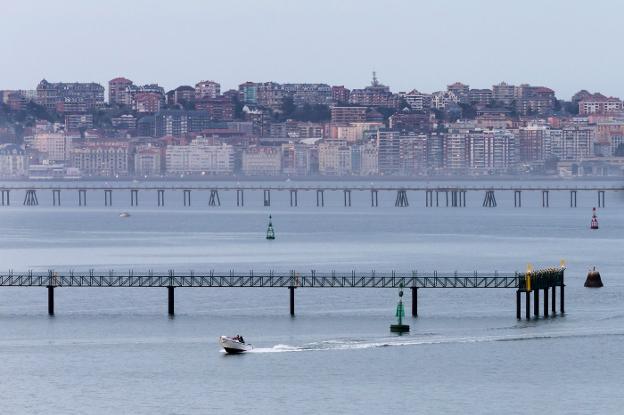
<point x="530" y="282"/>
<point x="439" y="196"/>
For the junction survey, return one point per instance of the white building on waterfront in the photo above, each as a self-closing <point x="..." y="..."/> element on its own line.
<point x="201" y="156"/>
<point x="262" y="161"/>
<point x="13" y="161"/>
<point x="56" y="146"/>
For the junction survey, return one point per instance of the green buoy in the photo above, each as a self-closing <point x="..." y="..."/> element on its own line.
<point x="270" y="231"/>
<point x="400" y="313"/>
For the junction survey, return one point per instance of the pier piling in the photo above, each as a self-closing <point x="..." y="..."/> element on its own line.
<point x="291" y="289"/>
<point x="214" y="198"/>
<point x="320" y="198"/>
<point x="240" y="197"/>
<point x="108" y="197"/>
<point x="536" y="302"/>
<point x="517" y="198"/>
<point x="545" y="301"/>
<point x="293" y="198"/>
<point x="527" y="305"/>
<point x="171" y="300"/>
<point x="5" y="195"/>
<point x="267" y="197"/>
<point x="187" y="197"/>
<point x="134" y="197"/>
<point x="490" y="199"/>
<point x="401" y="199"/>
<point x="50" y="300"/>
<point x="414" y="302"/>
<point x="554" y="296"/>
<point x="572" y="198"/>
<point x="545" y="198"/>
<point x="160" y="194"/>
<point x="347" y="197"/>
<point x="56" y="197"/>
<point x="82" y="197"/>
<point x="374" y="198"/>
<point x="562" y="299"/>
<point x="601" y="198"/>
<point x="518" y="307"/>
<point x="30" y="199"/>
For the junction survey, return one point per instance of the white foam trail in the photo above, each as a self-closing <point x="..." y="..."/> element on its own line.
<point x="393" y="342"/>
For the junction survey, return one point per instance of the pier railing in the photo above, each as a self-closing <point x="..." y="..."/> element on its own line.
<point x="311" y="279"/>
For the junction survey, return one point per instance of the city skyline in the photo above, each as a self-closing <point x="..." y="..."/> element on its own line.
<point x="235" y="44"/>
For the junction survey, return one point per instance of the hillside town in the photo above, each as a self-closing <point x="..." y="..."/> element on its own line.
<point x="265" y="129"/>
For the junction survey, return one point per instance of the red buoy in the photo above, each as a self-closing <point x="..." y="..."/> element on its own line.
<point x="594" y="221"/>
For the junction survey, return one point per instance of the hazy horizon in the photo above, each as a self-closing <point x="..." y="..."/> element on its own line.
<point x="423" y="46"/>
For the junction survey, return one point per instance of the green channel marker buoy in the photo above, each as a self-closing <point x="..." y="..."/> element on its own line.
<point x="400" y="313"/>
<point x="270" y="231"/>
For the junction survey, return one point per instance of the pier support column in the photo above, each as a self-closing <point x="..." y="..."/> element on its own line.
<point x="30" y="199"/>
<point x="490" y="199"/>
<point x="171" y="300"/>
<point x="240" y="197"/>
<point x="545" y="198"/>
<point x="293" y="198"/>
<point x="562" y="299"/>
<point x="347" y="197"/>
<point x="292" y="300"/>
<point x="517" y="198"/>
<point x="108" y="197"/>
<point x="267" y="197"/>
<point x="56" y="197"/>
<point x="546" y="302"/>
<point x="527" y="310"/>
<point x="554" y="296"/>
<point x="572" y="198"/>
<point x="401" y="199"/>
<point x="518" y="307"/>
<point x="601" y="198"/>
<point x="50" y="300"/>
<point x="5" y="195"/>
<point x="320" y="198"/>
<point x="536" y="302"/>
<point x="414" y="302"/>
<point x="187" y="197"/>
<point x="214" y="198"/>
<point x="161" y="197"/>
<point x="134" y="197"/>
<point x="82" y="197"/>
<point x="374" y="198"/>
<point x="428" y="198"/>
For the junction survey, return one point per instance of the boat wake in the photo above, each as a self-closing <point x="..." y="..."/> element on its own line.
<point x="350" y="344"/>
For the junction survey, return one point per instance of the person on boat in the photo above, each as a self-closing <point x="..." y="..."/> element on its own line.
<point x="240" y="338"/>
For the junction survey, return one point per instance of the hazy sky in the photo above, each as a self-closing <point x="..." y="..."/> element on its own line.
<point x="565" y="44"/>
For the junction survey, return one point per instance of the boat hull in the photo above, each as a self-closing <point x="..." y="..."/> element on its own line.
<point x="232" y="346"/>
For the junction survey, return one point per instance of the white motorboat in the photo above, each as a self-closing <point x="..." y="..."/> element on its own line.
<point x="234" y="345"/>
<point x="124" y="215"/>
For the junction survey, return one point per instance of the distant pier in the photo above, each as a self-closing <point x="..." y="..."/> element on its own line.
<point x="427" y="196"/>
<point x="545" y="280"/>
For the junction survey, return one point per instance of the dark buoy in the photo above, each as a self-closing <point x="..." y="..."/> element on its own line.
<point x="400" y="313"/>
<point x="270" y="232"/>
<point x="594" y="221"/>
<point x="593" y="279"/>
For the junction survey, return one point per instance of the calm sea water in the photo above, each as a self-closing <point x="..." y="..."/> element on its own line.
<point x="116" y="351"/>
